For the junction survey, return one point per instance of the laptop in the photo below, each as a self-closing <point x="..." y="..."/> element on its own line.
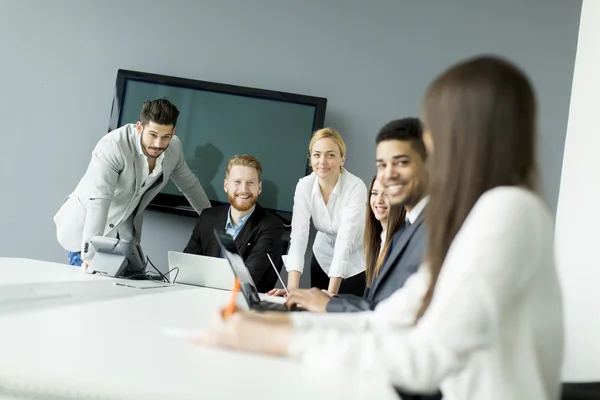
<point x="247" y="285"/>
<point x="197" y="270"/>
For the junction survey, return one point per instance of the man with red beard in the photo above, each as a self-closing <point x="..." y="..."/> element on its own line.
<point x="255" y="231"/>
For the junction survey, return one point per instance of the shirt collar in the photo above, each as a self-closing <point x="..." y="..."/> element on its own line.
<point x="338" y="186"/>
<point x="336" y="190"/>
<point x="229" y="222"/>
<point x="413" y="214"/>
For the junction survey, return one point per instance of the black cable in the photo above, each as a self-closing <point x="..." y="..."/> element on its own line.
<point x="157" y="270"/>
<point x="140" y="272"/>
<point x="177" y="274"/>
<point x="134" y="276"/>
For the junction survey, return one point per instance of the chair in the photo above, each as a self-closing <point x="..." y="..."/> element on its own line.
<point x="581" y="391"/>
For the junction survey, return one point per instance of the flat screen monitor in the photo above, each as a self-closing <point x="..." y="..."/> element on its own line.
<point x="218" y="121"/>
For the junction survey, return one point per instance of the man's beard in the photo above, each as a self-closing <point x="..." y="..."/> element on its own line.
<point x="148" y="154"/>
<point x="239" y="204"/>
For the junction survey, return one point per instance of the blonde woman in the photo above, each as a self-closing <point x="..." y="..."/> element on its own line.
<point x="334" y="200"/>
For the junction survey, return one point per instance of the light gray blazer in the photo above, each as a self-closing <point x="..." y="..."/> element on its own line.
<point x="104" y="198"/>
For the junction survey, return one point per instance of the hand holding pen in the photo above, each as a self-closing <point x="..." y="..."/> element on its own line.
<point x="231" y="307"/>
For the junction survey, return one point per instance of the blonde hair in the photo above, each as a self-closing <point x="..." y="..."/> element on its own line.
<point x="328" y="133"/>
<point x="245" y="160"/>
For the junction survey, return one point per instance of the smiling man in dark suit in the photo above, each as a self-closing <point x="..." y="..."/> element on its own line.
<point x="400" y="159"/>
<point x="256" y="231"/>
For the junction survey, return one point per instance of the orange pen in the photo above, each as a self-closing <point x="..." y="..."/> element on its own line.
<point x="231" y="306"/>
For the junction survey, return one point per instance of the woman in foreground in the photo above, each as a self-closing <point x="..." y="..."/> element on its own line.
<point x="482" y="318"/>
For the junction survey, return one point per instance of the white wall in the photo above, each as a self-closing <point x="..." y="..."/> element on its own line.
<point x="578" y="214"/>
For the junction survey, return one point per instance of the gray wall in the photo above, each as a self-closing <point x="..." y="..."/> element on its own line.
<point x="372" y="60"/>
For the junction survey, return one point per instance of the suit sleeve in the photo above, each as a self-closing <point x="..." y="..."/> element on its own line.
<point x="346" y="303"/>
<point x="189" y="185"/>
<point x="268" y="241"/>
<point x="101" y="179"/>
<point x="194" y="245"/>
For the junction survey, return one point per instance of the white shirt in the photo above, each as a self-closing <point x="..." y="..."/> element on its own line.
<point x="147" y="178"/>
<point x="338" y="245"/>
<point x="494" y="329"/>
<point x="413" y="214"/>
<point x="382" y="237"/>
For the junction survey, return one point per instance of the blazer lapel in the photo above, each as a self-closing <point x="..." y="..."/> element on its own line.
<point x="242" y="237"/>
<point x="139" y="172"/>
<point x="405" y="236"/>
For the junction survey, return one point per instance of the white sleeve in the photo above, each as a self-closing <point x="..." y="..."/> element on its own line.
<point x="294" y="261"/>
<point x="351" y="230"/>
<point x="101" y="179"/>
<point x="492" y="262"/>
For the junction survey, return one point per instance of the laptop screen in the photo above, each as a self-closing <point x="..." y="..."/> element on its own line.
<point x="237" y="265"/>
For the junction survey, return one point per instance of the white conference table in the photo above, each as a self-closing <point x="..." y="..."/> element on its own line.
<point x="114" y="347"/>
<point x="26" y="270"/>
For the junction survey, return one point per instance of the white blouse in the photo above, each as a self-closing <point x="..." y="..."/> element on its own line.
<point x="382" y="237"/>
<point x="338" y="245"/>
<point x="494" y="328"/>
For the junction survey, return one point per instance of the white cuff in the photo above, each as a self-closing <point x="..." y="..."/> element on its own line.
<point x="293" y="263"/>
<point x="339" y="269"/>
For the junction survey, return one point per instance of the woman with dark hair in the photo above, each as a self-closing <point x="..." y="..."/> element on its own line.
<point x="482" y="318"/>
<point x="382" y="223"/>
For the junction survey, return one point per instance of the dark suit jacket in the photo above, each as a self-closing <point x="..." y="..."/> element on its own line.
<point x="261" y="234"/>
<point x="403" y="258"/>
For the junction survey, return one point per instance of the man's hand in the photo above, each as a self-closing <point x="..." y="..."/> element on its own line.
<point x="313" y="300"/>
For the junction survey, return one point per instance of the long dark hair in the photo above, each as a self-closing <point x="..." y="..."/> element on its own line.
<point x="481" y="114"/>
<point x="372" y="237"/>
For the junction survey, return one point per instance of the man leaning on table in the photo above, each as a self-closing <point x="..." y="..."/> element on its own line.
<point x="129" y="167"/>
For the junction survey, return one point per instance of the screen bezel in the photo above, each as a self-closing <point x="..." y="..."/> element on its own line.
<point x="178" y="204"/>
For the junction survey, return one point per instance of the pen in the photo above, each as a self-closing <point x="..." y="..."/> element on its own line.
<point x="231" y="306"/>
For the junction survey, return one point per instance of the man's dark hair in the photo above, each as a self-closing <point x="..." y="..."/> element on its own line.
<point x="407" y="129"/>
<point x="160" y="111"/>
